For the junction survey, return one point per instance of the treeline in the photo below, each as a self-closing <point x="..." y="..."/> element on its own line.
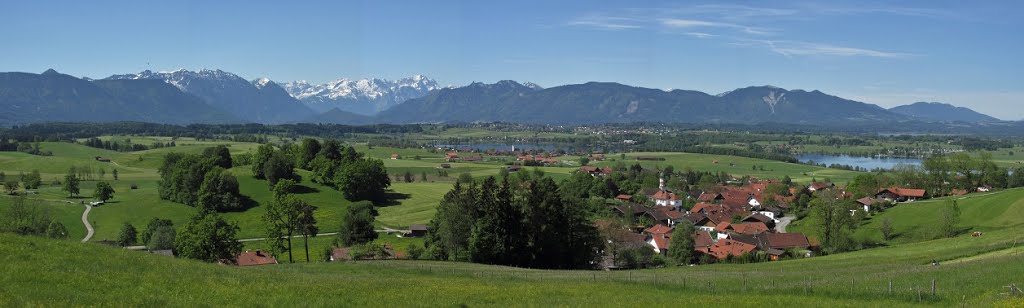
<point x="201" y="180"/>
<point x="124" y="145"/>
<point x="941" y="175"/>
<point x="23" y="218"/>
<point x="522" y="222"/>
<point x="8" y="145"/>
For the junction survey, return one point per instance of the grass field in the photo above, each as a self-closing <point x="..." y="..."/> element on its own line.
<point x="62" y="273"/>
<point x="41" y="272"/>
<point x="140" y="205"/>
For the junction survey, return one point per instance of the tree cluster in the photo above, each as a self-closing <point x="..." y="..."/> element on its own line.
<point x="200" y="180"/>
<point x="357" y="177"/>
<point x="524" y="222"/>
<point x="125" y="145"/>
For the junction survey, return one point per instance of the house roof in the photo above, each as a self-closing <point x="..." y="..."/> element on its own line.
<point x="819" y="185"/>
<point x="624" y="197"/>
<point x="750" y="228"/>
<point x="726" y="247"/>
<point x="904" y="192"/>
<point x="660" y="242"/>
<point x="631" y="208"/>
<point x="671" y="212"/>
<point x="786" y="240"/>
<point x="659" y="229"/>
<point x="590" y="169"/>
<point x="758" y="217"/>
<point x="251" y="258"/>
<point x="708" y="197"/>
<point x="665" y="195"/>
<point x="418" y="228"/>
<point x="866" y="201"/>
<point x="702" y="239"/>
<point x="701" y="206"/>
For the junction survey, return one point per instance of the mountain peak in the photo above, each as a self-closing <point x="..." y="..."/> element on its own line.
<point x="262" y="82"/>
<point x="51" y="72"/>
<point x="366" y="96"/>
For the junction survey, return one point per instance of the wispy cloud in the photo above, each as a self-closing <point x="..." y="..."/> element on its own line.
<point x="795" y="48"/>
<point x="606" y="22"/>
<point x="741" y="25"/>
<point x="700" y="34"/>
<point x="692" y="23"/>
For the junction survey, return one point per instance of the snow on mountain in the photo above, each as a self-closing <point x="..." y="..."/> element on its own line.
<point x="363" y="96"/>
<point x="259" y="100"/>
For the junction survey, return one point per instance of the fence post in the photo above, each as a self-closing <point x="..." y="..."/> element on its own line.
<point x="890" y="286"/>
<point x="933" y="287"/>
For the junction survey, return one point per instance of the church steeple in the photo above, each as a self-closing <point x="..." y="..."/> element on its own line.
<point x="661" y="182"/>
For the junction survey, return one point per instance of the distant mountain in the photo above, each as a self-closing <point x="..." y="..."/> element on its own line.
<point x="266" y="103"/>
<point x="337" y="116"/>
<point x="602" y="102"/>
<point x="942" y="112"/>
<point x="52" y="96"/>
<point x="364" y="96"/>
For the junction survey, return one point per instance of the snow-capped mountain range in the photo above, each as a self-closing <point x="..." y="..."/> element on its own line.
<point x="362" y="96"/>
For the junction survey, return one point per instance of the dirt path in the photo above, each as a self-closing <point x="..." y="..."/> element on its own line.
<point x="85" y="220"/>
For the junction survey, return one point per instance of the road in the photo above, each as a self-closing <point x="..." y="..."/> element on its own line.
<point x="85" y="220"/>
<point x="783" y="222"/>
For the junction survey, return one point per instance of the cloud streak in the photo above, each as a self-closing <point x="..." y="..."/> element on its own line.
<point x="794" y="48"/>
<point x="605" y="22"/>
<point x="737" y="25"/>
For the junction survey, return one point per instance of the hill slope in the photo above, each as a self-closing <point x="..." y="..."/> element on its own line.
<point x="267" y="103"/>
<point x="51" y="96"/>
<point x="602" y="102"/>
<point x="942" y="112"/>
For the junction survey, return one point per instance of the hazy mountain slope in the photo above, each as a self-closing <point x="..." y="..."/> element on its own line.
<point x="231" y="93"/>
<point x="942" y="112"/>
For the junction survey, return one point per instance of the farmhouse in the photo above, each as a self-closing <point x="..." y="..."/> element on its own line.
<point x="624" y="198"/>
<point x="898" y="194"/>
<point x="253" y="258"/>
<point x="451" y="157"/>
<point x="396" y="156"/>
<point x="417" y="231"/>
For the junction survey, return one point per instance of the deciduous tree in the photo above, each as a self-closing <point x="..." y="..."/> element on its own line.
<point x="103" y="191"/>
<point x="209" y="238"/>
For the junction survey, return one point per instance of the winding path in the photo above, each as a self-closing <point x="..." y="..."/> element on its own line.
<point x="85" y="220"/>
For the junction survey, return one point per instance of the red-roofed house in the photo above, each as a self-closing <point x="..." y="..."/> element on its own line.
<point x="899" y="194"/>
<point x="726" y="247"/>
<point x="786" y="241"/>
<point x="660" y="243"/>
<point x="450" y="157"/>
<point x="624" y="198"/>
<point x="253" y="258"/>
<point x="750" y="228"/>
<point x="658" y="230"/>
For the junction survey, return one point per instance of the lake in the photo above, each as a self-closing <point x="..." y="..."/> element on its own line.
<point x="857" y="161"/>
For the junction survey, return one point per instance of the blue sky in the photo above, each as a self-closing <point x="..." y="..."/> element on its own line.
<point x="967" y="53"/>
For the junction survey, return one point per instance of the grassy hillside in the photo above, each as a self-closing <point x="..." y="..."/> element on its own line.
<point x="918" y="221"/>
<point x="43" y="272"/>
